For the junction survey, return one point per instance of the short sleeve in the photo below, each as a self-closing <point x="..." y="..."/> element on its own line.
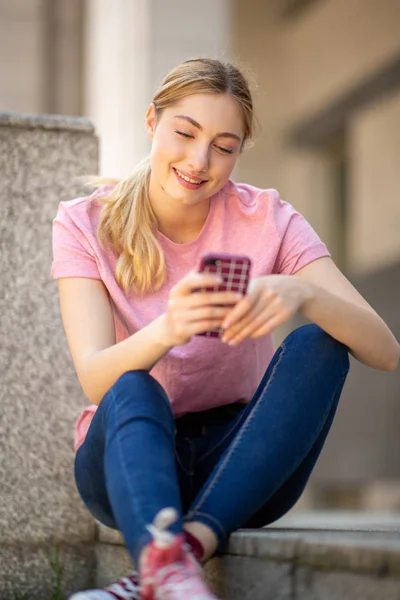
<point x="72" y="253"/>
<point x="300" y="244"/>
<point x="82" y="425"/>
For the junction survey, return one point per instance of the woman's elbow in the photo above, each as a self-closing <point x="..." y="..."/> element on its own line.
<point x="392" y="366"/>
<point x="393" y="361"/>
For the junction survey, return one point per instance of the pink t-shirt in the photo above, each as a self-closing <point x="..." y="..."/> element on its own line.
<point x="242" y="220"/>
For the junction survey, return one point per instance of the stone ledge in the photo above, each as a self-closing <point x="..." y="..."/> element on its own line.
<point x="356" y="542"/>
<point x="257" y="578"/>
<point x="340" y="520"/>
<point x="372" y="553"/>
<point x="46" y="121"/>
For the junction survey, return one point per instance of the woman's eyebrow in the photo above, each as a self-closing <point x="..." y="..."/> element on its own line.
<point x="200" y="128"/>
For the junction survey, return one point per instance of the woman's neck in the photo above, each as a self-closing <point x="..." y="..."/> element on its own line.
<point x="180" y="223"/>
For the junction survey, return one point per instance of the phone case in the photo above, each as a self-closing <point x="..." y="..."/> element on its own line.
<point x="235" y="272"/>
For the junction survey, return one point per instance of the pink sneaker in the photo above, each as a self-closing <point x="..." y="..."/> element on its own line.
<point x="168" y="570"/>
<point x="126" y="588"/>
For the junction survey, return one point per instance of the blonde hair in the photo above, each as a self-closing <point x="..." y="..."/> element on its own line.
<point x="127" y="221"/>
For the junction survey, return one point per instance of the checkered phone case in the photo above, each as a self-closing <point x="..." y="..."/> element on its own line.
<point x="235" y="272"/>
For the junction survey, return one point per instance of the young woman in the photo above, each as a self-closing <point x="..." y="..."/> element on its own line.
<point x="190" y="437"/>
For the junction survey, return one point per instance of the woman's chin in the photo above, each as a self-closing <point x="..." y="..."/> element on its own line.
<point x="187" y="197"/>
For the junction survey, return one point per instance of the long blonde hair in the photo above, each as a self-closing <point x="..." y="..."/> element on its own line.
<point x="127" y="221"/>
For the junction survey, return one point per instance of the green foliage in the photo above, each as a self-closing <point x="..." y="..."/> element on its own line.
<point x="57" y="571"/>
<point x="54" y="561"/>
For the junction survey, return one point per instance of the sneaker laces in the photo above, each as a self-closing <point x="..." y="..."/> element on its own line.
<point x="185" y="580"/>
<point x="163" y="519"/>
<point x="126" y="588"/>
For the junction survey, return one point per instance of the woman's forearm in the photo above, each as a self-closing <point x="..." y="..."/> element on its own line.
<point x="142" y="350"/>
<point x="366" y="335"/>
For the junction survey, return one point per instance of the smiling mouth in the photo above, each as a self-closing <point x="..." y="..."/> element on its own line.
<point x="189" y="179"/>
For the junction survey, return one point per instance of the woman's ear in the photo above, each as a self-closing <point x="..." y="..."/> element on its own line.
<point x="151" y="120"/>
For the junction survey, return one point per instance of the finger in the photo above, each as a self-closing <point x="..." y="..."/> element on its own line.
<point x="209" y="298"/>
<point x="195" y="281"/>
<point x="271" y="325"/>
<point x="268" y="327"/>
<point x="200" y="324"/>
<point x="242" y="325"/>
<point x="266" y="297"/>
<point x="248" y="328"/>
<point x="206" y="312"/>
<point x="232" y="327"/>
<point x="187" y="330"/>
<point x="242" y="308"/>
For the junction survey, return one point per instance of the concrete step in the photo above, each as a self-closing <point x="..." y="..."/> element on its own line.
<point x="316" y="556"/>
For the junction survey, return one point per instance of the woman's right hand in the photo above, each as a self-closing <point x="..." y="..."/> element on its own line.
<point x="191" y="311"/>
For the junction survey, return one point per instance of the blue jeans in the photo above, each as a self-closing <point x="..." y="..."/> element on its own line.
<point x="229" y="467"/>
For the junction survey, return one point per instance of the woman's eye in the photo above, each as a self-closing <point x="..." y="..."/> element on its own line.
<point x="183" y="134"/>
<point x="191" y="137"/>
<point x="225" y="150"/>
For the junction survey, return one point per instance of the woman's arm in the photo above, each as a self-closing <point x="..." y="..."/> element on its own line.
<point x="321" y="293"/>
<point x="335" y="305"/>
<point x="89" y="327"/>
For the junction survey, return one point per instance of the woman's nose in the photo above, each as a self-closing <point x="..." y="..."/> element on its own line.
<point x="199" y="160"/>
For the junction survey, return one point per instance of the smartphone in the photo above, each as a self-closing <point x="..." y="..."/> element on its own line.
<point x="234" y="271"/>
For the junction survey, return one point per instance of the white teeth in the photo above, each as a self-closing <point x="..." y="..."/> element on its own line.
<point x="187" y="178"/>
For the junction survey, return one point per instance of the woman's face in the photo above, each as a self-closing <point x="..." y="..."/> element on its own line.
<point x="195" y="145"/>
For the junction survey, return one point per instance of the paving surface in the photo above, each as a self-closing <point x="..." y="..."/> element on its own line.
<point x="304" y="556"/>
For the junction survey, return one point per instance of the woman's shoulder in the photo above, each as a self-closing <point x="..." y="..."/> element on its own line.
<point x="76" y="250"/>
<point x="83" y="210"/>
<point x="82" y="203"/>
<point x="264" y="206"/>
<point x="251" y="198"/>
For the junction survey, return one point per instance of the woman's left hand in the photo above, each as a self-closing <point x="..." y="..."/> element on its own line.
<point x="270" y="301"/>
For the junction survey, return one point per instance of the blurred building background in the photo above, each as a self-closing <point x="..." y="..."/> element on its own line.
<point x="328" y="103"/>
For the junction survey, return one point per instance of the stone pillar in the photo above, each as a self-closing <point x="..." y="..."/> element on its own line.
<point x="117" y="67"/>
<point x="40" y="397"/>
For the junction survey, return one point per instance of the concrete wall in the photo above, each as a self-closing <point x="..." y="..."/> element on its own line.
<point x="22" y="74"/>
<point x="364" y="443"/>
<point x="41" y="56"/>
<point x="374" y="208"/>
<point x="40" y="397"/>
<point x="309" y="71"/>
<point x="321" y="99"/>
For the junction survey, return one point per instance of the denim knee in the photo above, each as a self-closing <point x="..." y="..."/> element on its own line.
<point x="89" y="480"/>
<point x="316" y="341"/>
<point x="138" y="377"/>
<point x="137" y="393"/>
